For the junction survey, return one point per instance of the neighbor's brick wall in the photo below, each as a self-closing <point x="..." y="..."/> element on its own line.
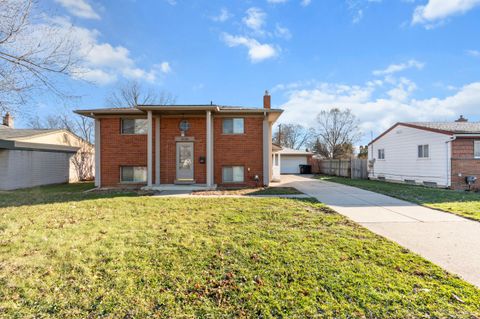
<point x="463" y="162"/>
<point x="239" y="150"/>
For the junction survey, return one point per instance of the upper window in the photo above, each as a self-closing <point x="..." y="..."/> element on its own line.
<point x="476" y="149"/>
<point x="233" y="126"/>
<point x="133" y="174"/>
<point x="423" y="151"/>
<point x="381" y="153"/>
<point x="134" y="126"/>
<point x="232" y="174"/>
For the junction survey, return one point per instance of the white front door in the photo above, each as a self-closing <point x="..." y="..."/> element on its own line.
<point x="185" y="162"/>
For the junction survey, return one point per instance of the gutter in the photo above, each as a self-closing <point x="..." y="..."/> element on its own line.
<point x="449" y="161"/>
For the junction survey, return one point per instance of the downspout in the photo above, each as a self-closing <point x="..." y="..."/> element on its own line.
<point x="449" y="161"/>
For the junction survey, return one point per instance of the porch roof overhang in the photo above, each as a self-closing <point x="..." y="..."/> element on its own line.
<point x="141" y="110"/>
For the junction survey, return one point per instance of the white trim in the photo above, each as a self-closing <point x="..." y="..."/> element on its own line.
<point x="266" y="152"/>
<point x="149" y="148"/>
<point x="157" y="150"/>
<point x="98" y="171"/>
<point x="209" y="149"/>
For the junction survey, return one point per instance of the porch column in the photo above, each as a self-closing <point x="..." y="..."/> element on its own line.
<point x="209" y="162"/>
<point x="149" y="148"/>
<point x="157" y="150"/>
<point x="98" y="155"/>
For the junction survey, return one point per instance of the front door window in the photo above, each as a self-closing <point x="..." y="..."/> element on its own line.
<point x="184" y="161"/>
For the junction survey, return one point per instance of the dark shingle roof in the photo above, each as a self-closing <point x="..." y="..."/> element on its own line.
<point x="453" y="127"/>
<point x="11" y="133"/>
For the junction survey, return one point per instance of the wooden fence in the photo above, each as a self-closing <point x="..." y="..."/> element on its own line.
<point x="352" y="168"/>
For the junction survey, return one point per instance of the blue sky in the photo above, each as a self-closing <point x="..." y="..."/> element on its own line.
<point x="388" y="61"/>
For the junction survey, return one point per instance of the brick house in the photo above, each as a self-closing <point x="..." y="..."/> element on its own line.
<point x="438" y="154"/>
<point x="195" y="145"/>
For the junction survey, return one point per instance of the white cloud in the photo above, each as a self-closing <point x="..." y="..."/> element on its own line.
<point x="255" y="19"/>
<point x="395" y="68"/>
<point x="79" y="8"/>
<point x="282" y="32"/>
<point x="276" y="1"/>
<point x="223" y="16"/>
<point x="438" y="10"/>
<point x="256" y="51"/>
<point x="305" y="2"/>
<point x="95" y="75"/>
<point x="101" y="62"/>
<point x="474" y="53"/>
<point x="376" y="105"/>
<point x="165" y="67"/>
<point x="171" y="2"/>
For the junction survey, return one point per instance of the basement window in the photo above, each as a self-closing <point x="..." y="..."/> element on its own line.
<point x="133" y="174"/>
<point x="233" y="126"/>
<point x="233" y="174"/>
<point x="423" y="151"/>
<point x="134" y="126"/>
<point x="476" y="149"/>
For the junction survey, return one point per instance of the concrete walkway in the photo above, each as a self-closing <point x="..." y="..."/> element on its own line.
<point x="447" y="240"/>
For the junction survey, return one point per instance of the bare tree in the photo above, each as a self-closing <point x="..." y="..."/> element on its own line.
<point x="33" y="53"/>
<point x="337" y="131"/>
<point x="294" y="136"/>
<point x="131" y="94"/>
<point x="79" y="125"/>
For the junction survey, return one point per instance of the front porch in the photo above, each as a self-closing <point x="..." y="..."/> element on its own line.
<point x="187" y="159"/>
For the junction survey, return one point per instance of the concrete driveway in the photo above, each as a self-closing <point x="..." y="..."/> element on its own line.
<point x="447" y="240"/>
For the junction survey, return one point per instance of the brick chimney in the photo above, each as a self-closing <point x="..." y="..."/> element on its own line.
<point x="461" y="119"/>
<point x="266" y="100"/>
<point x="8" y="120"/>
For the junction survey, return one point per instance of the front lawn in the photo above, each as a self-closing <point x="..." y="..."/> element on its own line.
<point x="458" y="202"/>
<point x="117" y="255"/>
<point x="253" y="191"/>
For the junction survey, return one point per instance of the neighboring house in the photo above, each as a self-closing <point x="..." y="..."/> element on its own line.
<point x="289" y="160"/>
<point x="38" y="157"/>
<point x="432" y="154"/>
<point x="200" y="145"/>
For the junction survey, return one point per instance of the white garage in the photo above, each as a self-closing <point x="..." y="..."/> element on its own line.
<point x="289" y="160"/>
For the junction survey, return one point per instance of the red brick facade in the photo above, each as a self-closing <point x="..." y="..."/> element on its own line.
<point x="245" y="150"/>
<point x="239" y="150"/>
<point x="464" y="162"/>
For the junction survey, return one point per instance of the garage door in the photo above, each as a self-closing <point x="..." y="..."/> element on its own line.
<point x="289" y="164"/>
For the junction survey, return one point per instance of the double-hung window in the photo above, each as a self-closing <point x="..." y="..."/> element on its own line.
<point x="134" y="126"/>
<point x="476" y="149"/>
<point x="423" y="151"/>
<point x="381" y="154"/>
<point x="232" y="174"/>
<point x="233" y="126"/>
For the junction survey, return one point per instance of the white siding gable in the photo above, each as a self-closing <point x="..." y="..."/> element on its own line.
<point x="401" y="161"/>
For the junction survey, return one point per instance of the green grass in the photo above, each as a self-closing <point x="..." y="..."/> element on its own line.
<point x="457" y="202"/>
<point x="74" y="255"/>
<point x="252" y="191"/>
